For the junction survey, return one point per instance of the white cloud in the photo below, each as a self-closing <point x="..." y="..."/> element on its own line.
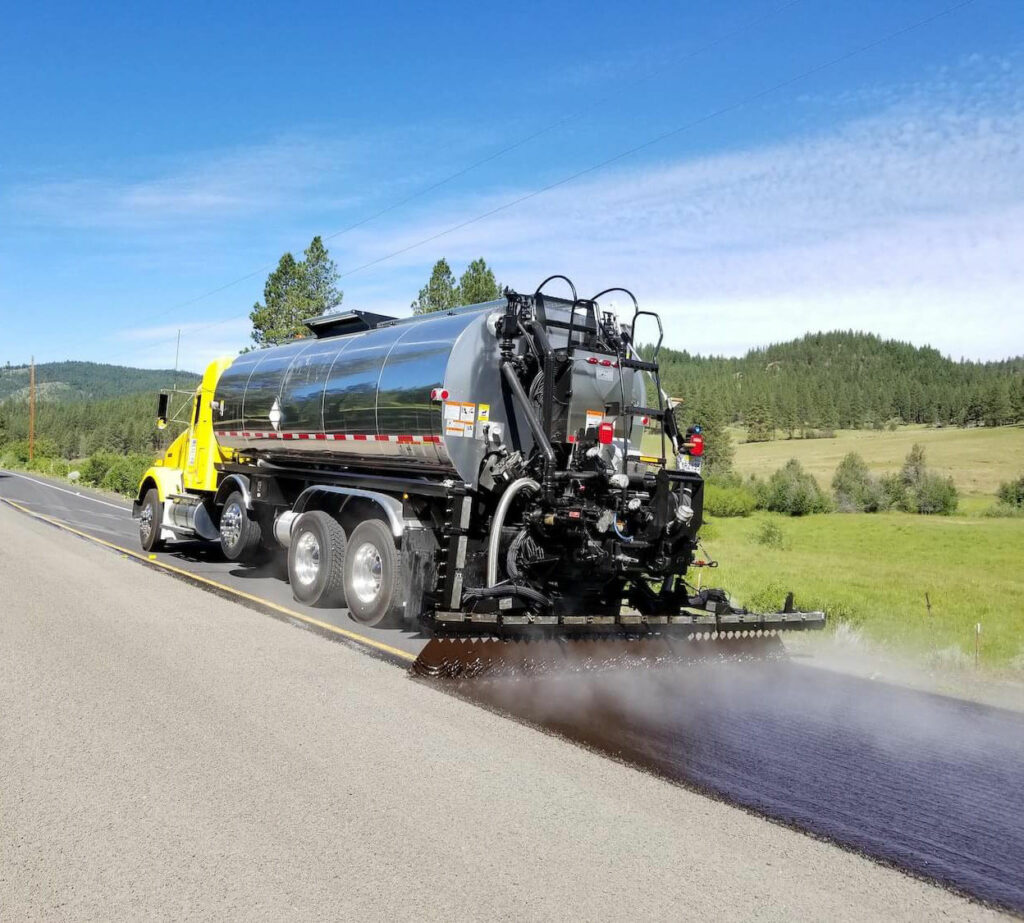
<point x="211" y="187"/>
<point x="201" y="343"/>
<point x="909" y="223"/>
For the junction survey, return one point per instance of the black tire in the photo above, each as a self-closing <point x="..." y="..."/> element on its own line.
<point x="373" y="575"/>
<point x="316" y="560"/>
<point x="151" y="515"/>
<point x="240" y="532"/>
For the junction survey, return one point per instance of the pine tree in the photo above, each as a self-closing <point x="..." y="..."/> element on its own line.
<point x="997" y="407"/>
<point x="439" y="294"/>
<point x="760" y="427"/>
<point x="477" y="284"/>
<point x="295" y="292"/>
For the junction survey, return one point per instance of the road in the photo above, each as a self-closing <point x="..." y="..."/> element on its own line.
<point x="175" y="753"/>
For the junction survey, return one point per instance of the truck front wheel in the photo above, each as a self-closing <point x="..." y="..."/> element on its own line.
<point x="151" y="517"/>
<point x="316" y="560"/>
<point x="373" y="575"/>
<point x="240" y="534"/>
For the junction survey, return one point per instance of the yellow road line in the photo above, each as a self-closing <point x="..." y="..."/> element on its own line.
<point x="284" y="610"/>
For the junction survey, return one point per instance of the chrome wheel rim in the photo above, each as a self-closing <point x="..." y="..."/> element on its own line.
<point x="307" y="558"/>
<point x="231" y="524"/>
<point x="367" y="569"/>
<point x="146" y="522"/>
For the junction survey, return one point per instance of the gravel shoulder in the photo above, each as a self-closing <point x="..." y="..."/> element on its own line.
<point x="168" y="754"/>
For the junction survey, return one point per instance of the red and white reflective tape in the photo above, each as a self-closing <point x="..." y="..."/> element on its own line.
<point x="328" y="437"/>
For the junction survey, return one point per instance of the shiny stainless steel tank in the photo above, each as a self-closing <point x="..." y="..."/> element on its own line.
<point x="414" y="395"/>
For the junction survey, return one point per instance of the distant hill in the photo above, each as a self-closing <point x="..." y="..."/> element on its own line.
<point x="805" y="387"/>
<point x="843" y="379"/>
<point x="63" y="381"/>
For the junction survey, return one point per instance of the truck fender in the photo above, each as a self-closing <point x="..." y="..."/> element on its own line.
<point x="166" y="481"/>
<point x="312" y="498"/>
<point x="229" y="485"/>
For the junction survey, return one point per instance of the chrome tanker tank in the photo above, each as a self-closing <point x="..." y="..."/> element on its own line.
<point x="420" y="394"/>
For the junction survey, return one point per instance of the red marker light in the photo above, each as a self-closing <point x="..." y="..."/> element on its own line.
<point x="607" y="363"/>
<point x="697" y="444"/>
<point x="591" y="360"/>
<point x="605" y="433"/>
<point x="439" y="394"/>
<point x="644" y="421"/>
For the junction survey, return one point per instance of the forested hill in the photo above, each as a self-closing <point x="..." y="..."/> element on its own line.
<point x="844" y="379"/>
<point x="87" y="380"/>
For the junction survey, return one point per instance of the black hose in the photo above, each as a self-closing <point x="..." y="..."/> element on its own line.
<point x="489" y="592"/>
<point x="511" y="565"/>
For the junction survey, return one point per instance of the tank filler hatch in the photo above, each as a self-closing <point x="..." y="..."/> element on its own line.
<point x="342" y="322"/>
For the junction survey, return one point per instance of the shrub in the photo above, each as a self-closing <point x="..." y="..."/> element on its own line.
<point x="16" y="453"/>
<point x="791" y="490"/>
<point x="94" y="469"/>
<point x="55" y="467"/>
<point x="728" y="501"/>
<point x="1011" y="493"/>
<point x="770" y="535"/>
<point x="1003" y="510"/>
<point x="936" y="496"/>
<point x="125" y="473"/>
<point x="915" y="490"/>
<point x="855" y="490"/>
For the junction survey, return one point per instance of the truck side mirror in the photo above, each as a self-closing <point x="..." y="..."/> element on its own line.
<point x="161" y="410"/>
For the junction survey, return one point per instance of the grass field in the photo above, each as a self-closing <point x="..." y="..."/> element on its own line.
<point x="873" y="570"/>
<point x="977" y="459"/>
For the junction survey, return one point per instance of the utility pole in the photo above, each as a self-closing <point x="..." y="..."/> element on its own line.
<point x="32" y="409"/>
<point x="177" y="351"/>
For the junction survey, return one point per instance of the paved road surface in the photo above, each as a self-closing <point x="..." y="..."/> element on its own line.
<point x="810" y="768"/>
<point x="110" y="520"/>
<point x="166" y="753"/>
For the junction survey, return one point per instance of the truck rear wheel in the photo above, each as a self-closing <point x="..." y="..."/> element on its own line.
<point x="151" y="517"/>
<point x="316" y="560"/>
<point x="240" y="533"/>
<point x="373" y="575"/>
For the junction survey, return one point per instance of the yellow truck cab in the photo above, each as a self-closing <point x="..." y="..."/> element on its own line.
<point x="172" y="495"/>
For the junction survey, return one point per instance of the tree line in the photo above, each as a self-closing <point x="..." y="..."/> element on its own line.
<point x="842" y="379"/>
<point x="807" y="387"/>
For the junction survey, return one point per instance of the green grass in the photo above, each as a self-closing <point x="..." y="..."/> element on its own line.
<point x="873" y="570"/>
<point x="977" y="459"/>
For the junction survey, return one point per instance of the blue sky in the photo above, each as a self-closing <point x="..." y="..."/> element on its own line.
<point x="151" y="156"/>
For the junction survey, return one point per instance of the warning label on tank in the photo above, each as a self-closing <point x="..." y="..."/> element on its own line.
<point x="484" y="414"/>
<point x="594" y="418"/>
<point x="459" y="418"/>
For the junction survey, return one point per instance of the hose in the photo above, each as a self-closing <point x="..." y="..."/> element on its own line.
<point x="511" y="564"/>
<point x="510" y="589"/>
<point x="499" y="521"/>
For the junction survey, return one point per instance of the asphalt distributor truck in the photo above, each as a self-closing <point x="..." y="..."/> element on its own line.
<point x="473" y="474"/>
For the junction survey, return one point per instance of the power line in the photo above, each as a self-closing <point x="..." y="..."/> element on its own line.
<point x="515" y="145"/>
<point x="656" y="139"/>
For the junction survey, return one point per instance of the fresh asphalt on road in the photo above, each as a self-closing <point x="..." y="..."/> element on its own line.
<point x="930" y="784"/>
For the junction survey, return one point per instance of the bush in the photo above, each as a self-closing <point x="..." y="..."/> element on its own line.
<point x="791" y="490"/>
<point x="124" y="474"/>
<point x="770" y="535"/>
<point x="55" y="467"/>
<point x="1004" y="510"/>
<point x="94" y="469"/>
<point x="728" y="501"/>
<point x="855" y="490"/>
<point x="914" y="490"/>
<point x="15" y="454"/>
<point x="936" y="496"/>
<point x="1011" y="493"/>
